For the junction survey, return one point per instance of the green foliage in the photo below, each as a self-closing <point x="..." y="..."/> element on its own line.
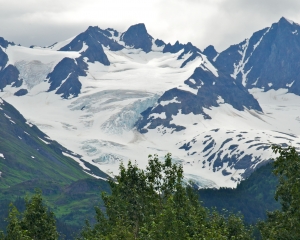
<point x="35" y="223"/>
<point x="156" y="204"/>
<point x="252" y="197"/>
<point x="285" y="223"/>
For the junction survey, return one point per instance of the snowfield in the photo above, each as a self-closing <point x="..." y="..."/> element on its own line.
<point x="99" y="124"/>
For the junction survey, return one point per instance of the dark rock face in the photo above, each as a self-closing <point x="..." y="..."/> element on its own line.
<point x="209" y="89"/>
<point x="4" y="43"/>
<point x="187" y="48"/>
<point x="71" y="87"/>
<point x="210" y="52"/>
<point x="159" y="42"/>
<point x="21" y="92"/>
<point x="269" y="59"/>
<point x="137" y="37"/>
<point x="69" y="70"/>
<point x="3" y="59"/>
<point x="8" y="76"/>
<point x="94" y="38"/>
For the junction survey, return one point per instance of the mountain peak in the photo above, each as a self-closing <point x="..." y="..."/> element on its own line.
<point x="210" y="52"/>
<point x="285" y="20"/>
<point x="137" y="36"/>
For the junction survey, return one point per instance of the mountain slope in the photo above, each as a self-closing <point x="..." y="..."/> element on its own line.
<point x="111" y="96"/>
<point x="269" y="59"/>
<point x="26" y="153"/>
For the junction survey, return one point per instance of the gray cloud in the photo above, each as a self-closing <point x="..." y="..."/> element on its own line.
<point x="202" y="22"/>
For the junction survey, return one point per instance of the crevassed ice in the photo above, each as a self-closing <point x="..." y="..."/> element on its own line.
<point x="128" y="116"/>
<point x="33" y="72"/>
<point x="93" y="146"/>
<point x="109" y="158"/>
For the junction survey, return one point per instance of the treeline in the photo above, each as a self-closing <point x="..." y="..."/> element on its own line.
<point x="253" y="197"/>
<point x="155" y="203"/>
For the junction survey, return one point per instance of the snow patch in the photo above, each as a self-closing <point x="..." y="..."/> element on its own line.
<point x="220" y="100"/>
<point x="84" y="47"/>
<point x="29" y="124"/>
<point x="7" y="116"/>
<point x="254" y="84"/>
<point x="158" y="115"/>
<point x="44" y="141"/>
<point x="76" y="160"/>
<point x="215" y="58"/>
<point x="192" y="81"/>
<point x="174" y="100"/>
<point x="188" y="89"/>
<point x="291" y="84"/>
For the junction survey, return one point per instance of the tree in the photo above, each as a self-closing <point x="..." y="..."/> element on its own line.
<point x="156" y="203"/>
<point x="35" y="223"/>
<point x="285" y="223"/>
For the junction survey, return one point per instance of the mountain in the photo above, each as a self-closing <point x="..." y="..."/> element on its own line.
<point x="269" y="59"/>
<point x="28" y="154"/>
<point x="112" y="96"/>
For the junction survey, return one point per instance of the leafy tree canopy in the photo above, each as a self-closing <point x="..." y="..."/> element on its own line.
<point x="285" y="223"/>
<point x="156" y="203"/>
<point x="35" y="223"/>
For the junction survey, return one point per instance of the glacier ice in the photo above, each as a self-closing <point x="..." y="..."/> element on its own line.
<point x="33" y="72"/>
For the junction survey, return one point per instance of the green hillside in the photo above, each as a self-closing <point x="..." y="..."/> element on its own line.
<point x="252" y="197"/>
<point x="26" y="153"/>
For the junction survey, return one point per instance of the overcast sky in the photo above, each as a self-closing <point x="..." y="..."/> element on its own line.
<point x="202" y="22"/>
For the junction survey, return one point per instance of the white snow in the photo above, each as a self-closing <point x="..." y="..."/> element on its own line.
<point x="215" y="58"/>
<point x="76" y="159"/>
<point x="45" y="56"/>
<point x="209" y="66"/>
<point x="254" y="84"/>
<point x="84" y="47"/>
<point x="291" y="84"/>
<point x="192" y="81"/>
<point x="99" y="123"/>
<point x="61" y="44"/>
<point x="158" y="115"/>
<point x="220" y="100"/>
<point x="290" y="21"/>
<point x="29" y="124"/>
<point x="187" y="88"/>
<point x="7" y="116"/>
<point x="174" y="100"/>
<point x="33" y="72"/>
<point x="239" y="67"/>
<point x="44" y="141"/>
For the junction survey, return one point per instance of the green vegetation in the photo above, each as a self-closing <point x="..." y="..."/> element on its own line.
<point x="72" y="204"/>
<point x="28" y="154"/>
<point x="35" y="223"/>
<point x="252" y="197"/>
<point x="285" y="223"/>
<point x="156" y="204"/>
